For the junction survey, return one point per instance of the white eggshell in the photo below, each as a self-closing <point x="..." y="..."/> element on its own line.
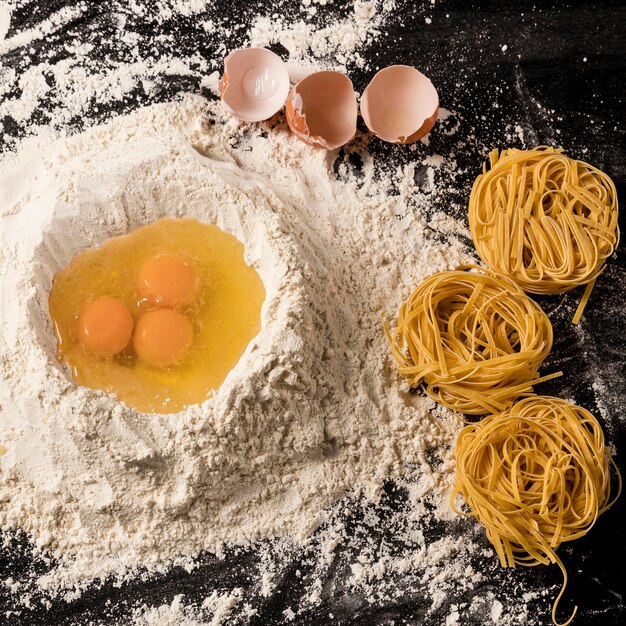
<point x="400" y="104"/>
<point x="255" y="84"/>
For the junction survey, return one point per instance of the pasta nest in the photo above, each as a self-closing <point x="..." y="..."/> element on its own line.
<point x="543" y="219"/>
<point x="473" y="339"/>
<point x="535" y="475"/>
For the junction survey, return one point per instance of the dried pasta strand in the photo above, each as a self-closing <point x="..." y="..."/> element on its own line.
<point x="583" y="302"/>
<point x="474" y="339"/>
<point x="545" y="220"/>
<point x="535" y="475"/>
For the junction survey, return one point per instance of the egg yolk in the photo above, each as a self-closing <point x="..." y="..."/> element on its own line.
<point x="105" y="326"/>
<point x="168" y="281"/>
<point x="162" y="337"/>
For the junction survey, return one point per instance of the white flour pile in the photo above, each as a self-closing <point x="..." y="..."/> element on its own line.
<point x="312" y="409"/>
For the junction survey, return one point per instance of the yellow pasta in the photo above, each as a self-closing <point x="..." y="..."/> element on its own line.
<point x="474" y="339"/>
<point x="535" y="475"/>
<point x="545" y="220"/>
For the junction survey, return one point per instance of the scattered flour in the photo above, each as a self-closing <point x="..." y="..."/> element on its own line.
<point x="496" y="611"/>
<point x="214" y="611"/>
<point x="78" y="79"/>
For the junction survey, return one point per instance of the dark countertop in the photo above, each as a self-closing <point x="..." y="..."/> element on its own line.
<point x="562" y="78"/>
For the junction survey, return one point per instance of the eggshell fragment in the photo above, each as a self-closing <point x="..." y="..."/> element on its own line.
<point x="400" y="104"/>
<point x="255" y="84"/>
<point x="322" y="109"/>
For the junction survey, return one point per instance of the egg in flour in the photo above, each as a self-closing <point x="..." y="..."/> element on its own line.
<point x="159" y="316"/>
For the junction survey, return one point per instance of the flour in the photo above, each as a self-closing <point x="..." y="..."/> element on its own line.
<point x="313" y="419"/>
<point x="77" y="80"/>
<point x="45" y="28"/>
<point x="5" y="21"/>
<point x="335" y="46"/>
<point x="215" y="610"/>
<point x="311" y="410"/>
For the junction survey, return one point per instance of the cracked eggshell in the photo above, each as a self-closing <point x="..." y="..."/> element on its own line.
<point x="400" y="104"/>
<point x="322" y="109"/>
<point x="255" y="84"/>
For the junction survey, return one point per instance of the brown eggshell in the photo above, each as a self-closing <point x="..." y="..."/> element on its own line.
<point x="223" y="84"/>
<point x="400" y="104"/>
<point x="322" y="110"/>
<point x="295" y="120"/>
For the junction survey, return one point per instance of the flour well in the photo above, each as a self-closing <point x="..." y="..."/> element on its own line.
<point x="312" y="411"/>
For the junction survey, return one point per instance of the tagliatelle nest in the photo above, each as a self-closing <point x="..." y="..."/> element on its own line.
<point x="545" y="220"/>
<point x="535" y="475"/>
<point x="475" y="340"/>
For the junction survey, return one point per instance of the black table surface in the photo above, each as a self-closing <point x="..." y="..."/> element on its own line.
<point x="562" y="77"/>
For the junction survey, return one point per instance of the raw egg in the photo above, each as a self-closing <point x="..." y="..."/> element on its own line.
<point x="162" y="337"/>
<point x="168" y="280"/>
<point x="322" y="109"/>
<point x="255" y="84"/>
<point x="400" y="104"/>
<point x="105" y="326"/>
<point x="186" y="340"/>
